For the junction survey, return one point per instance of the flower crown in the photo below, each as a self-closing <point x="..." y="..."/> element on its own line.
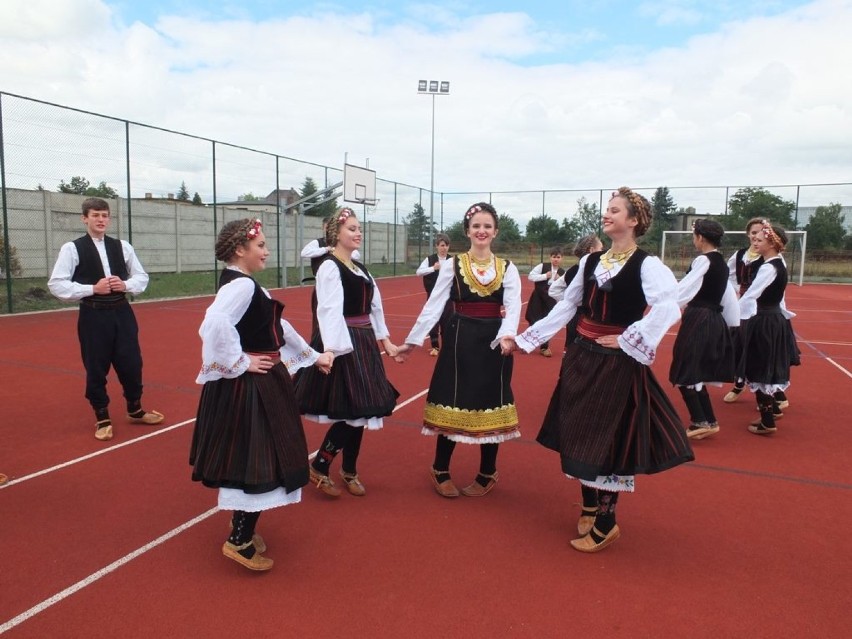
<point x="771" y="236"/>
<point x="473" y="210"/>
<point x="253" y="230"/>
<point x="345" y="213"/>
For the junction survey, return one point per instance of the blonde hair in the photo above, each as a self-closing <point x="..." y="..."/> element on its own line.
<point x="638" y="207"/>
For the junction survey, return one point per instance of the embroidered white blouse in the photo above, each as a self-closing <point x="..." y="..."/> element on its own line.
<point x="434" y="306"/>
<point x="639" y="340"/>
<point x="222" y="355"/>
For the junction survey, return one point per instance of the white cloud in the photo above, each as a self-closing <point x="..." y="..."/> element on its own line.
<point x="758" y="101"/>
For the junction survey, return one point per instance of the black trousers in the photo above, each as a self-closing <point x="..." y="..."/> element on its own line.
<point x="110" y="337"/>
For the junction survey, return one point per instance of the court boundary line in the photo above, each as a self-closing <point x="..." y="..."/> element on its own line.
<point x="103" y="572"/>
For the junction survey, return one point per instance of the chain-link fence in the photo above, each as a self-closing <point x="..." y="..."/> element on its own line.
<point x="170" y="192"/>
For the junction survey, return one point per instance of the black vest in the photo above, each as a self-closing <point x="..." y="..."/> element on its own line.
<point x="90" y="269"/>
<point x="774" y="293"/>
<point x="316" y="261"/>
<point x="541" y="286"/>
<point x="745" y="272"/>
<point x="621" y="301"/>
<point x="260" y="326"/>
<point x="357" y="291"/>
<point x="430" y="279"/>
<point x="714" y="284"/>
<point x="461" y="292"/>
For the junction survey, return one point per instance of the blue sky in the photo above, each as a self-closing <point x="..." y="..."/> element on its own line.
<point x="545" y="95"/>
<point x="574" y="30"/>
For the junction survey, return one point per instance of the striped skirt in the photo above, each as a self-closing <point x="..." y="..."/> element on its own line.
<point x="248" y="434"/>
<point x="357" y="386"/>
<point x="609" y="416"/>
<point x="769" y="348"/>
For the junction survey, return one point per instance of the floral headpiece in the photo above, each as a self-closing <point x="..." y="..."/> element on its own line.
<point x="473" y="210"/>
<point x="345" y="213"/>
<point x="771" y="236"/>
<point x="253" y="230"/>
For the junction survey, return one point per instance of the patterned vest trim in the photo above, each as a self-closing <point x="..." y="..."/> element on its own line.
<point x="620" y="301"/>
<point x="461" y="290"/>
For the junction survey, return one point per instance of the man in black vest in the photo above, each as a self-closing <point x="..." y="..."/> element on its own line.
<point x="98" y="271"/>
<point x="428" y="270"/>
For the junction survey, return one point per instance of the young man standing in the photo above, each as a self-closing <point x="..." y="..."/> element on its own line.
<point x="98" y="271"/>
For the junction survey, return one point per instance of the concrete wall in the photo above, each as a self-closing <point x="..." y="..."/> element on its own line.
<point x="170" y="236"/>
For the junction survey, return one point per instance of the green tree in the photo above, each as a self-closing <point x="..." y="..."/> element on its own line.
<point x="420" y="229"/>
<point x="183" y="193"/>
<point x="758" y="202"/>
<point x="81" y="186"/>
<point x="509" y="230"/>
<point x="196" y="199"/>
<point x="324" y="210"/>
<point x="827" y="227"/>
<point x="663" y="214"/>
<point x="543" y="229"/>
<point x="455" y="231"/>
<point x="248" y="197"/>
<point x="586" y="221"/>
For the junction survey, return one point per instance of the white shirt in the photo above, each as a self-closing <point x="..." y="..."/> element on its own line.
<point x="434" y="307"/>
<point x="222" y="355"/>
<point x="689" y="286"/>
<point x="62" y="287"/>
<point x="537" y="274"/>
<point x="333" y="328"/>
<point x="425" y="268"/>
<point x="766" y="274"/>
<point x="639" y="340"/>
<point x="313" y="249"/>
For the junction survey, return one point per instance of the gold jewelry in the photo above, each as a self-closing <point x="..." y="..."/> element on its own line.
<point x="481" y="266"/>
<point x="468" y="266"/>
<point x="611" y="258"/>
<point x="348" y="262"/>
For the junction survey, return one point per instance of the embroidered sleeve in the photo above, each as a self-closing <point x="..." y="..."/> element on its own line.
<point x="221" y="351"/>
<point x="296" y="353"/>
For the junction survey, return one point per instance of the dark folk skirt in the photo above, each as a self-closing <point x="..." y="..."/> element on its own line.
<point x="609" y="415"/>
<point x="769" y="348"/>
<point x="703" y="349"/>
<point x="470" y="394"/>
<point x="248" y="434"/>
<point x="357" y="386"/>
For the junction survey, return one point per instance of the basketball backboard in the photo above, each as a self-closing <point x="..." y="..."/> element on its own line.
<point x="359" y="185"/>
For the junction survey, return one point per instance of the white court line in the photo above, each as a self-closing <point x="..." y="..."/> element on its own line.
<point x="103" y="572"/>
<point x="95" y="576"/>
<point x="833" y="363"/>
<point x="103" y="451"/>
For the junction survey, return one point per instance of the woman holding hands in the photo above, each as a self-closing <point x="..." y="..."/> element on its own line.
<point x="609" y="419"/>
<point x="470" y="396"/>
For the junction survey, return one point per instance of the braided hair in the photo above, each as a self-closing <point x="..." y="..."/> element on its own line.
<point x="480" y="207"/>
<point x="585" y="244"/>
<point x="638" y="207"/>
<point x="235" y="234"/>
<point x="332" y="227"/>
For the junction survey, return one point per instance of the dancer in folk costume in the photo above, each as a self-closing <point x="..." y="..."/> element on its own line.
<point x="248" y="440"/>
<point x="428" y="270"/>
<point x="704" y="350"/>
<point x="356" y="394"/>
<point x="543" y="276"/>
<point x="470" y="396"/>
<point x="584" y="246"/>
<point x="768" y="340"/>
<point x="609" y="419"/>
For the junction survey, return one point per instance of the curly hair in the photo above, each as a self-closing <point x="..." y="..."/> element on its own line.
<point x="235" y="234"/>
<point x="332" y="227"/>
<point x="480" y="207"/>
<point x="709" y="230"/>
<point x="638" y="207"/>
<point x="584" y="245"/>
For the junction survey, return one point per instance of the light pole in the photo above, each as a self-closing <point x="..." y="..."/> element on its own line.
<point x="433" y="88"/>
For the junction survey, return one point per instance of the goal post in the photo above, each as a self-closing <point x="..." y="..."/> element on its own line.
<point x="677" y="252"/>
